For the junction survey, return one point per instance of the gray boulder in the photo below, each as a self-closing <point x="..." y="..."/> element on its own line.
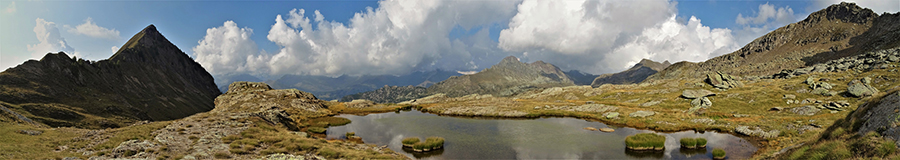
<point x="881" y="117"/>
<point x="641" y="114"/>
<point x="861" y="88"/>
<point x="722" y="80"/>
<point x="805" y="110"/>
<point x="692" y="94"/>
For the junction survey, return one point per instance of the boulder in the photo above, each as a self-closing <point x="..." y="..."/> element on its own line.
<point x="692" y="94"/>
<point x="611" y="115"/>
<point x="722" y="80"/>
<point x="805" y="110"/>
<point x="861" y="88"/>
<point x="590" y="128"/>
<point x="789" y="96"/>
<point x="607" y="130"/>
<point x="641" y="114"/>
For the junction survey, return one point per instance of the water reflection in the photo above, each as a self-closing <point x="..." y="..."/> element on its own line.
<point x="543" y="138"/>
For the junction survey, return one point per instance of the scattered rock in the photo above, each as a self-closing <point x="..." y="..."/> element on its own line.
<point x="641" y="114"/>
<point x="30" y="132"/>
<point x="740" y="115"/>
<point x="607" y="130"/>
<point x="651" y="103"/>
<point x="692" y="94"/>
<point x="132" y="148"/>
<point x="722" y="80"/>
<point x="789" y="96"/>
<point x="805" y="110"/>
<point x="776" y="108"/>
<point x="757" y="132"/>
<point x="590" y="128"/>
<point x="611" y="115"/>
<point x="706" y="121"/>
<point x="861" y="88"/>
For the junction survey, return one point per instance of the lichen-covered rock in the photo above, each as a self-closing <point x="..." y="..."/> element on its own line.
<point x="642" y="114"/>
<point x="611" y="115"/>
<point x="691" y="94"/>
<point x="722" y="80"/>
<point x="805" y="110"/>
<point x="132" y="148"/>
<point x="861" y="88"/>
<point x="757" y="132"/>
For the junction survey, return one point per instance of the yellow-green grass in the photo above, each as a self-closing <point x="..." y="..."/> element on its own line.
<point x="340" y="107"/>
<point x="430" y="143"/>
<point x="138" y="132"/>
<point x="264" y="139"/>
<point x="718" y="153"/>
<point x="645" y="141"/>
<point x="22" y="146"/>
<point x="754" y="99"/>
<point x="692" y="143"/>
<point x="410" y="141"/>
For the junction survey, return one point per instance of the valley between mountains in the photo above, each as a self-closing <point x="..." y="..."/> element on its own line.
<point x="825" y="87"/>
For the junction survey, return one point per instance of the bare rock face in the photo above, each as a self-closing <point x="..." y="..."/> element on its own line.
<point x="861" y="88"/>
<point x="723" y="81"/>
<point x="882" y="117"/>
<point x="149" y="78"/>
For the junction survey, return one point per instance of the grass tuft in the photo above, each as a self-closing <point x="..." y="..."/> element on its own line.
<point x="718" y="153"/>
<point x="645" y="141"/>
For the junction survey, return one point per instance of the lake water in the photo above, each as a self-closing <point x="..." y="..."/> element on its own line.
<point x="543" y="138"/>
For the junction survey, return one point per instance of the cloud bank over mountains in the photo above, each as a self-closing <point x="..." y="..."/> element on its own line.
<point x="400" y="37"/>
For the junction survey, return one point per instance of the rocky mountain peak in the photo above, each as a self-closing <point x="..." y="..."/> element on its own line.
<point x="845" y="12"/>
<point x="56" y="57"/>
<point x="148" y="38"/>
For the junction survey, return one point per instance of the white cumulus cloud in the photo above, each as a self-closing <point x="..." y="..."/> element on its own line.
<point x="397" y="38"/>
<point x="783" y="15"/>
<point x="90" y="29"/>
<point x="768" y="18"/>
<point x="114" y="49"/>
<point x="11" y="8"/>
<point x="50" y="40"/>
<point x="609" y="36"/>
<point x="227" y="49"/>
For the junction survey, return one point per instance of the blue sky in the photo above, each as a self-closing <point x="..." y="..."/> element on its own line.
<point x="399" y="38"/>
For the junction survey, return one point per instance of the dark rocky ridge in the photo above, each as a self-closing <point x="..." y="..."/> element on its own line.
<point x="635" y="74"/>
<point x="838" y="31"/>
<point x="149" y="78"/>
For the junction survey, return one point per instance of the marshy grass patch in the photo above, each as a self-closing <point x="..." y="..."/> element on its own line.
<point x="645" y="141"/>
<point x="718" y="153"/>
<point x="430" y="143"/>
<point x="317" y="130"/>
<point x="693" y="143"/>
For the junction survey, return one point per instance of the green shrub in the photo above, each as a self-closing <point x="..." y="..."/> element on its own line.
<point x="718" y="153"/>
<point x="319" y="130"/>
<point x="688" y="142"/>
<point x="701" y="142"/>
<point x="645" y="141"/>
<point x="350" y="134"/>
<point x="410" y="140"/>
<point x="886" y="148"/>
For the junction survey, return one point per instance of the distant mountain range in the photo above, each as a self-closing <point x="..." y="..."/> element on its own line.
<point x="149" y="78"/>
<point x="506" y="78"/>
<point x="332" y="88"/>
<point x="635" y="74"/>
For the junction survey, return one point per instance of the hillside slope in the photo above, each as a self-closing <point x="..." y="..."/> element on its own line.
<point x="838" y="31"/>
<point x="149" y="78"/>
<point x="504" y="79"/>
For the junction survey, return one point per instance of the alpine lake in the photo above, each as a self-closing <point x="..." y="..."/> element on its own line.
<point x="541" y="138"/>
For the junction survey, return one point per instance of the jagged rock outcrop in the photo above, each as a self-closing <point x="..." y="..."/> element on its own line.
<point x="879" y="59"/>
<point x="260" y="100"/>
<point x="841" y="30"/>
<point x="635" y="74"/>
<point x="861" y="87"/>
<point x="722" y="80"/>
<point x="149" y="78"/>
<point x="506" y="78"/>
<point x="700" y="100"/>
<point x="881" y="116"/>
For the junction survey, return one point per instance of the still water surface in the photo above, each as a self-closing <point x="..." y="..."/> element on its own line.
<point x="543" y="138"/>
